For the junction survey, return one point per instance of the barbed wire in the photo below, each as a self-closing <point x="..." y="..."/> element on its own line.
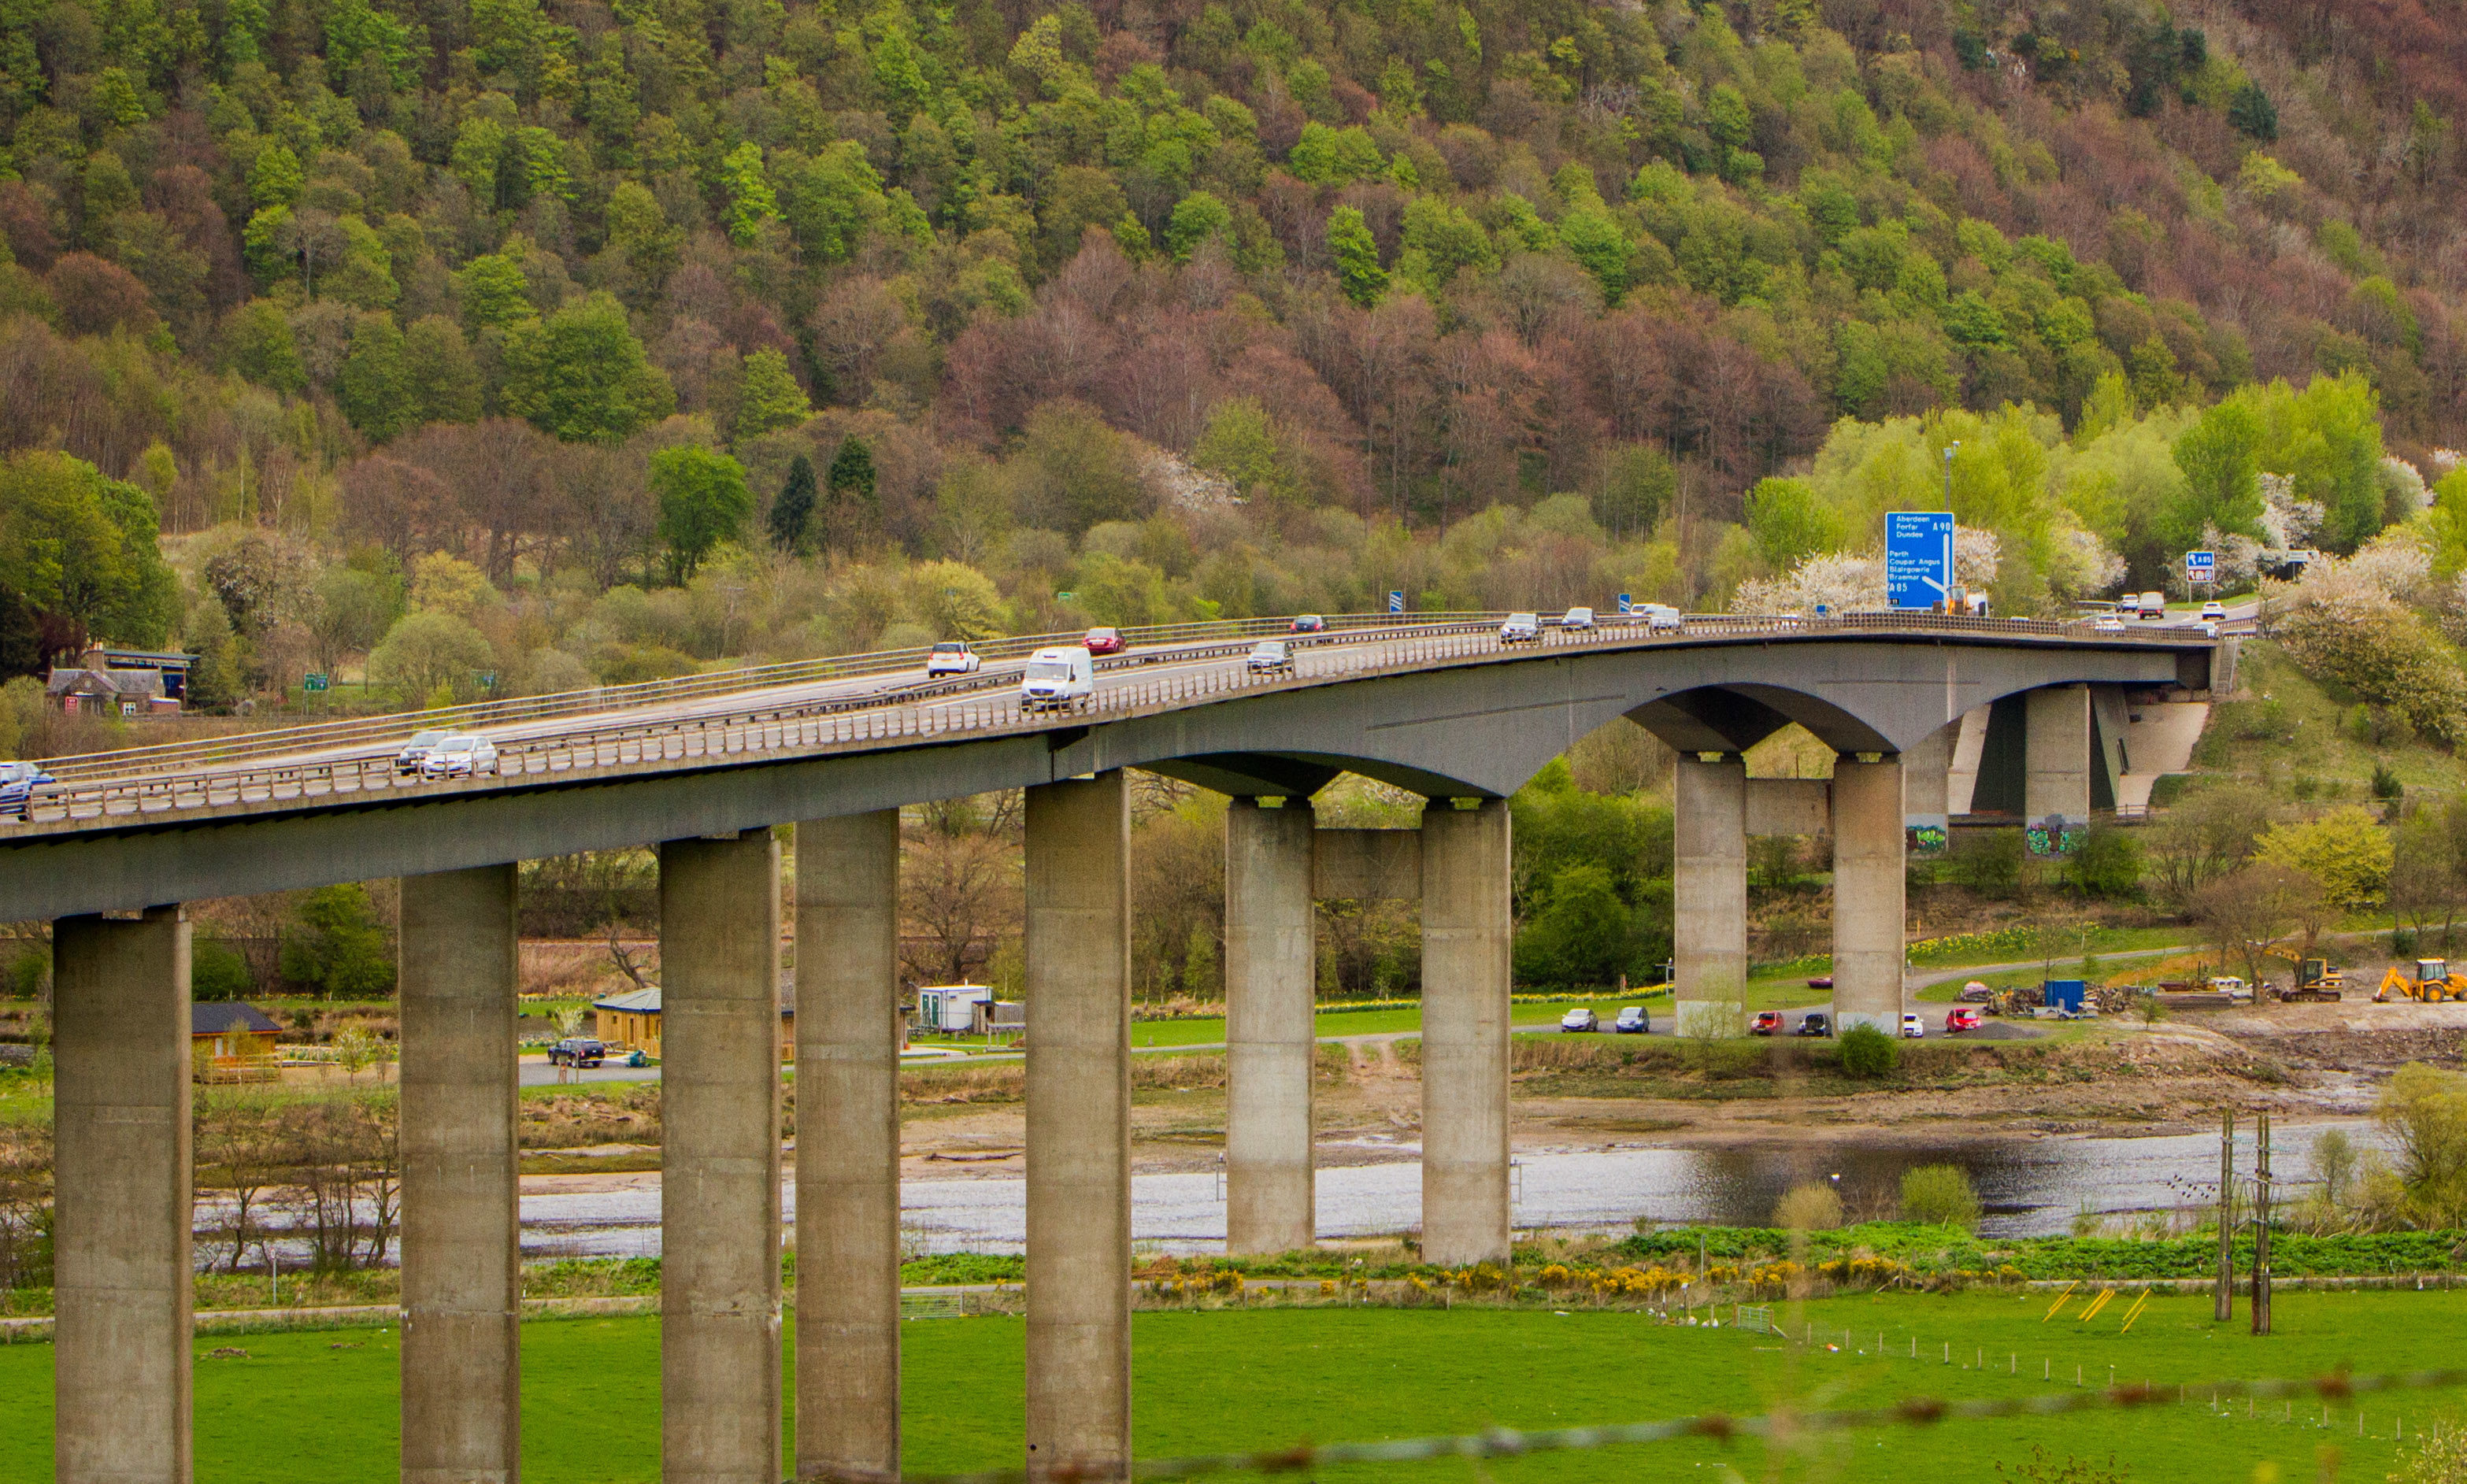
<point x="1781" y="1424"/>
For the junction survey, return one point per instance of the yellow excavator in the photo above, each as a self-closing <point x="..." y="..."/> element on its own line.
<point x="2316" y="978"/>
<point x="2433" y="984"/>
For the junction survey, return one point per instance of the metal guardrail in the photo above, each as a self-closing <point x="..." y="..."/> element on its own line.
<point x="394" y="725"/>
<point x="819" y="726"/>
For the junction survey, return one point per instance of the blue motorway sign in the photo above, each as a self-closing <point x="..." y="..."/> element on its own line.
<point x="1627" y="604"/>
<point x="1918" y="557"/>
<point x="1396" y="601"/>
<point x="2201" y="565"/>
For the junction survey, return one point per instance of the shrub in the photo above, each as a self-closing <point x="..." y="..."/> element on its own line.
<point x="1940" y="1195"/>
<point x="1869" y="1052"/>
<point x="1989" y="861"/>
<point x="1810" y="1207"/>
<point x="2107" y="865"/>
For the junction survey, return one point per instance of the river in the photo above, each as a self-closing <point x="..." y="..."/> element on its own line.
<point x="2028" y="1188"/>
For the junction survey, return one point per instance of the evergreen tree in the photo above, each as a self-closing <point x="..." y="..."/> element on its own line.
<point x="770" y="398"/>
<point x="851" y="508"/>
<point x="792" y="514"/>
<point x="1357" y="256"/>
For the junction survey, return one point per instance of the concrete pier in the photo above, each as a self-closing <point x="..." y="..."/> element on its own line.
<point x="1927" y="790"/>
<point x="1466" y="943"/>
<point x="719" y="1188"/>
<point x="121" y="1211"/>
<point x="461" y="1258"/>
<point x="848" y="1147"/>
<point x="1270" y="981"/>
<point x="1869" y="884"/>
<point x="1710" y="896"/>
<point x="2057" y="762"/>
<point x="1078" y="1130"/>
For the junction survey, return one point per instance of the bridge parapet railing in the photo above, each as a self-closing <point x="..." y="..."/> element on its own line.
<point x="395" y="726"/>
<point x="961" y="705"/>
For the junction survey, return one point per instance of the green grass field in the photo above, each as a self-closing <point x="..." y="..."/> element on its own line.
<point x="321" y="1405"/>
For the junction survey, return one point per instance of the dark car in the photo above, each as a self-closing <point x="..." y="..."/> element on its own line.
<point x="1104" y="641"/>
<point x="1815" y="1024"/>
<point x="576" y="1051"/>
<point x="1821" y="982"/>
<point x="1310" y="623"/>
<point x="19" y="783"/>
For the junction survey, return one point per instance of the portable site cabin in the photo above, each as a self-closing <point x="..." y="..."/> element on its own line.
<point x="950" y="1008"/>
<point x="2069" y="996"/>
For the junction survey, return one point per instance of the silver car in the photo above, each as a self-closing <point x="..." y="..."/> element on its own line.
<point x="460" y="756"/>
<point x="406" y="763"/>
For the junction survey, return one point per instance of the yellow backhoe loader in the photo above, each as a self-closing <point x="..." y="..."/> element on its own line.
<point x="2433" y="984"/>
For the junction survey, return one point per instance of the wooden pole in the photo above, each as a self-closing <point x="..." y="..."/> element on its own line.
<point x="2223" y="1307"/>
<point x="2261" y="1233"/>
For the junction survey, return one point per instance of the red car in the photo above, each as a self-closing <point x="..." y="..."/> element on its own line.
<point x="1768" y="1022"/>
<point x="1104" y="641"/>
<point x="1963" y="1019"/>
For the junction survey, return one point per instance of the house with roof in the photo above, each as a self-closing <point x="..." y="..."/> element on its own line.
<point x="230" y="1041"/>
<point x="631" y="1021"/>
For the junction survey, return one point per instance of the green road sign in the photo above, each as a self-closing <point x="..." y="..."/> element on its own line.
<point x="312" y="680"/>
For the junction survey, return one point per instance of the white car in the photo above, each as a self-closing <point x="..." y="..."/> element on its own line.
<point x="2210" y="629"/>
<point x="951" y="657"/>
<point x="1580" y="1018"/>
<point x="2232" y="986"/>
<point x="1577" y="618"/>
<point x="1660" y="618"/>
<point x="1520" y="628"/>
<point x="2108" y="623"/>
<point x="1912" y="1027"/>
<point x="406" y="763"/>
<point x="1270" y="657"/>
<point x="460" y="756"/>
<point x="2214" y="611"/>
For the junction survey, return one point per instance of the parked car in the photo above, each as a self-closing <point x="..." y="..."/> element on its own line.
<point x="1272" y="657"/>
<point x="1912" y="1027"/>
<point x="406" y="763"/>
<point x="1768" y="1022"/>
<point x="1063" y="675"/>
<point x="18" y="783"/>
<point x="1310" y="623"/>
<point x="460" y="756"/>
<point x="1815" y="1023"/>
<point x="1821" y="982"/>
<point x="1577" y="618"/>
<point x="1580" y="1018"/>
<point x="2216" y="610"/>
<point x="951" y="657"/>
<point x="1520" y="628"/>
<point x="1965" y="1017"/>
<point x="1660" y="618"/>
<point x="1633" y="1021"/>
<point x="1975" y="992"/>
<point x="577" y="1051"/>
<point x="2232" y="986"/>
<point x="1104" y="641"/>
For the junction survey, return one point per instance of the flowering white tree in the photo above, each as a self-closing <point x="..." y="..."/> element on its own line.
<point x="1843" y="581"/>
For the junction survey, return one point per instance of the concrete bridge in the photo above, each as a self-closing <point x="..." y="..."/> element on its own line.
<point x="705" y="769"/>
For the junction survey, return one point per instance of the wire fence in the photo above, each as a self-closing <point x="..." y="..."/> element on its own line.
<point x="1778" y="1426"/>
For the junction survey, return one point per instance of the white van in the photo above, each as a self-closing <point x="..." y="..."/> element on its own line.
<point x="2152" y="605"/>
<point x="1060" y="677"/>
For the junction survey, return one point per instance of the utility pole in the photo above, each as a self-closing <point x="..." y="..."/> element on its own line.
<point x="2223" y="1308"/>
<point x="2261" y="1235"/>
